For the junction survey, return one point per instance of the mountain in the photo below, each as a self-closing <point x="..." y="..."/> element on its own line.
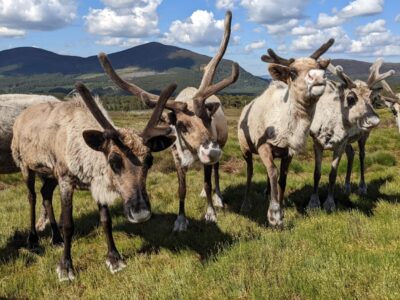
<point x="153" y="65"/>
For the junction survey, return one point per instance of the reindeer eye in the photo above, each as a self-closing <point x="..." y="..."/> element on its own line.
<point x="351" y="100"/>
<point x="116" y="163"/>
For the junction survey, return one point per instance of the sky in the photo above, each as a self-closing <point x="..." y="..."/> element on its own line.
<point x="363" y="29"/>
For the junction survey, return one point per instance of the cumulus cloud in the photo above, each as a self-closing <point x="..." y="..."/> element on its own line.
<point x="124" y="19"/>
<point x="326" y="21"/>
<point x="362" y="8"/>
<point x="304" y="30"/>
<point x="273" y="11"/>
<point x="122" y="42"/>
<point x="389" y="50"/>
<point x="283" y="27"/>
<point x="18" y="16"/>
<point x="200" y="29"/>
<point x="9" y="32"/>
<point x="225" y="4"/>
<point x="376" y="26"/>
<point x="255" y="45"/>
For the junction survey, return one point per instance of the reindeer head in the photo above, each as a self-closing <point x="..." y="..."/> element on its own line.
<point x="358" y="96"/>
<point x="128" y="153"/>
<point x="305" y="75"/>
<point x="392" y="101"/>
<point x="191" y="117"/>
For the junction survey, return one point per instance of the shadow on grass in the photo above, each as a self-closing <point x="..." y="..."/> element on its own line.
<point x="299" y="198"/>
<point x="206" y="239"/>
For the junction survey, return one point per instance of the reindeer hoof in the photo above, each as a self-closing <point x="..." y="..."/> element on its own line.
<point x="181" y="224"/>
<point x="115" y="263"/>
<point x="275" y="215"/>
<point x="211" y="216"/>
<point x="32" y="241"/>
<point x="203" y="193"/>
<point x="347" y="188"/>
<point x="42" y="223"/>
<point x="314" y="202"/>
<point x="217" y="200"/>
<point x="65" y="272"/>
<point x="362" y="189"/>
<point x="329" y="204"/>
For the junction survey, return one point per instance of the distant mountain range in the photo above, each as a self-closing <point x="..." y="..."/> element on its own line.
<point x="152" y="66"/>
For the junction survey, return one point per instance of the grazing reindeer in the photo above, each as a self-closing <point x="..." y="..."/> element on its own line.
<point x="344" y="114"/>
<point x="78" y="146"/>
<point x="276" y="124"/>
<point x="200" y="126"/>
<point x="392" y="101"/>
<point x="11" y="105"/>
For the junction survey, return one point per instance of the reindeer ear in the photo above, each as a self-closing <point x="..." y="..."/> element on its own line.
<point x="279" y="72"/>
<point x="212" y="108"/>
<point x="94" y="139"/>
<point x="160" y="143"/>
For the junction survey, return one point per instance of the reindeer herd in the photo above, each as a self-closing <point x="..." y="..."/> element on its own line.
<point x="74" y="143"/>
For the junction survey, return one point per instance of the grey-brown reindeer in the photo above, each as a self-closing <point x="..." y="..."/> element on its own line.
<point x="276" y="124"/>
<point x="200" y="126"/>
<point x="392" y="101"/>
<point x="78" y="146"/>
<point x="344" y="115"/>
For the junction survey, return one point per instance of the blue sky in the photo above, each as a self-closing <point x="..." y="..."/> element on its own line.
<point x="363" y="29"/>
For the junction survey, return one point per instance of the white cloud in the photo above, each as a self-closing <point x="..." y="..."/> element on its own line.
<point x="236" y="27"/>
<point x="389" y="50"/>
<point x="121" y="42"/>
<point x="273" y="11"/>
<point x="362" y="8"/>
<point x="304" y="30"/>
<point x="397" y="19"/>
<point x="376" y="26"/>
<point x="255" y="45"/>
<point x="326" y="21"/>
<point x="8" y="32"/>
<point x="236" y="40"/>
<point x="200" y="29"/>
<point x="283" y="27"/>
<point x="225" y="4"/>
<point x="20" y="15"/>
<point x="124" y="18"/>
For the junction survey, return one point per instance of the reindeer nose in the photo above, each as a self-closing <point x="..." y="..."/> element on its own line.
<point x="317" y="76"/>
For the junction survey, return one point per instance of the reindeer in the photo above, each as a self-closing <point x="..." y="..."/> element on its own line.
<point x="276" y="124"/>
<point x="392" y="101"/>
<point x="79" y="147"/>
<point x="199" y="123"/>
<point x="351" y="117"/>
<point x="11" y="105"/>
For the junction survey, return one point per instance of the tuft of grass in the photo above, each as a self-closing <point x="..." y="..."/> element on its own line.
<point x="351" y="253"/>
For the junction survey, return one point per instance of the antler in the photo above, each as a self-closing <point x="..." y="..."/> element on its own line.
<point x="150" y="99"/>
<point x="93" y="107"/>
<point x="338" y="71"/>
<point x="152" y="130"/>
<point x="392" y="96"/>
<point x="374" y="76"/>
<point x="317" y="54"/>
<point x="206" y="88"/>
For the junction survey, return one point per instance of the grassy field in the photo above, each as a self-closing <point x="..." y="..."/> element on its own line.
<point x="352" y="253"/>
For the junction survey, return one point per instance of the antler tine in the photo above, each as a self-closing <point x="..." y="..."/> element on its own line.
<point x="317" y="54"/>
<point x="280" y="60"/>
<point x="205" y="88"/>
<point x="151" y="129"/>
<point x="374" y="76"/>
<point x="150" y="100"/>
<point x="93" y="107"/>
<point x="338" y="71"/>
<point x="392" y="95"/>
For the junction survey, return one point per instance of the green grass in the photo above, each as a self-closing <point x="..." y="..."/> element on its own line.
<point x="352" y="253"/>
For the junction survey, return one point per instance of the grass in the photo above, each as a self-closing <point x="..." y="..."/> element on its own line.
<point x="352" y="253"/>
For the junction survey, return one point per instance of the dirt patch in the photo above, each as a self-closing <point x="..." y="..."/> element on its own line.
<point x="233" y="165"/>
<point x="3" y="186"/>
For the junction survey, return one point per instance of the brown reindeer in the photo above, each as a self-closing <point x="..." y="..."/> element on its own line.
<point x="277" y="123"/>
<point x="78" y="146"/>
<point x="200" y="126"/>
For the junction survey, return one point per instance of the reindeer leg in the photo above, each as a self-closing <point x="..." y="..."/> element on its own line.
<point x="29" y="177"/>
<point x="350" y="160"/>
<point x="114" y="260"/>
<point x="65" y="268"/>
<point x="181" y="222"/>
<point x="44" y="218"/>
<point x="362" y="187"/>
<point x="275" y="210"/>
<point x="285" y="163"/>
<point x="47" y="190"/>
<point x="246" y="204"/>
<point x="211" y="215"/>
<point x="218" y="201"/>
<point x="329" y="204"/>
<point x="314" y="202"/>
